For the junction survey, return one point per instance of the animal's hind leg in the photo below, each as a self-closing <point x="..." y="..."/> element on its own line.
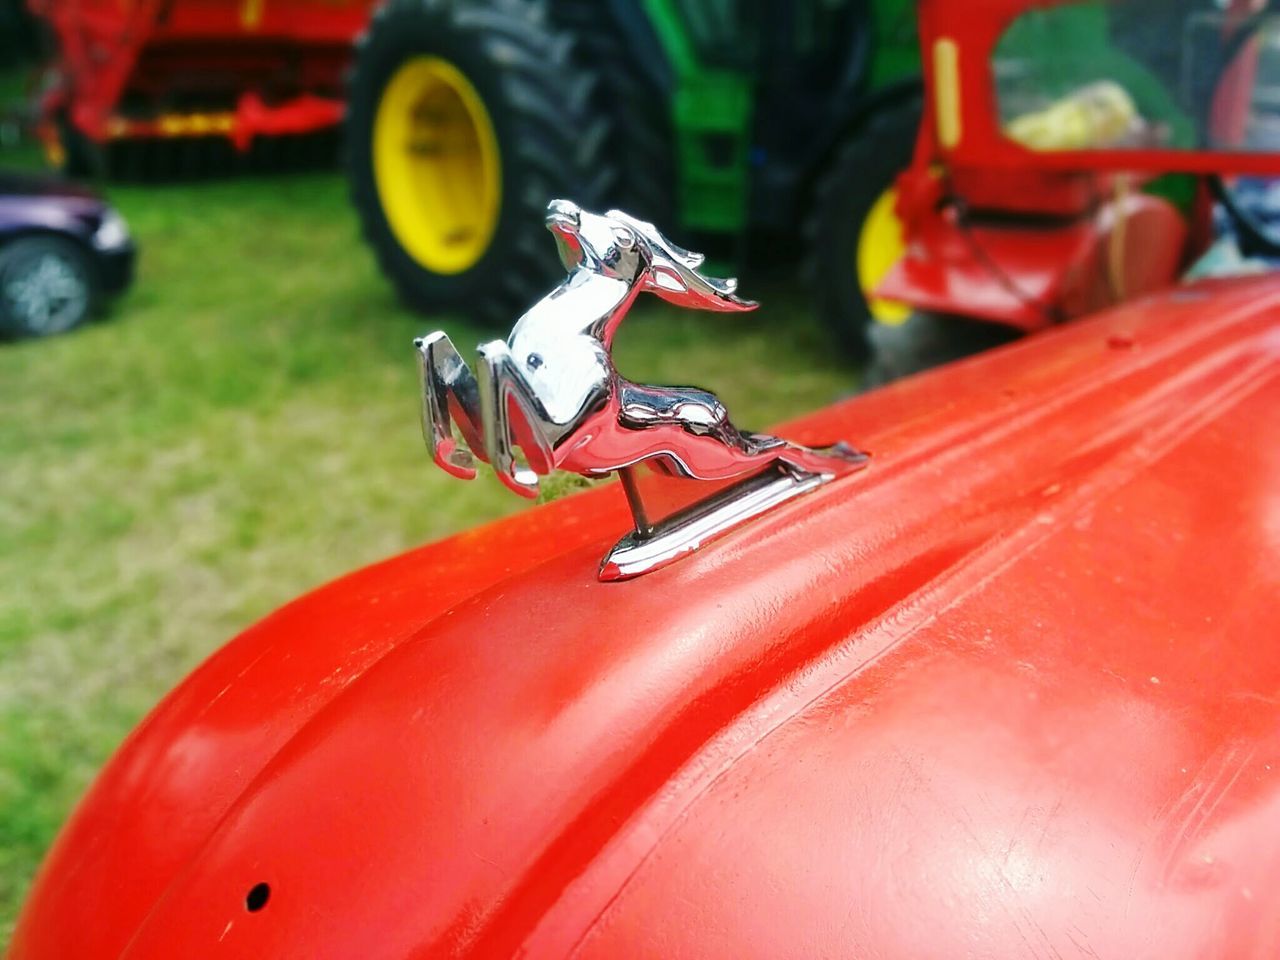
<point x="450" y="395"/>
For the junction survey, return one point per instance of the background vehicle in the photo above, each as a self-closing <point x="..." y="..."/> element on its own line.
<point x="717" y="120"/>
<point x="183" y="88"/>
<point x="62" y="248"/>
<point x="1040" y="188"/>
<point x="982" y="698"/>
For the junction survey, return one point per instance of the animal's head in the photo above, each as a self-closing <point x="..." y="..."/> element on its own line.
<point x="601" y="244"/>
<point x="619" y="246"/>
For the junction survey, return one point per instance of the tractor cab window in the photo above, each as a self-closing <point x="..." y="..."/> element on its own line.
<point x="1141" y="74"/>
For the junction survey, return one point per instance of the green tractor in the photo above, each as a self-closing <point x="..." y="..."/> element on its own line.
<point x="731" y="123"/>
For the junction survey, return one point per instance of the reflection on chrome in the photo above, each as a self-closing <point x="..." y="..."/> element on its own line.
<point x="551" y="391"/>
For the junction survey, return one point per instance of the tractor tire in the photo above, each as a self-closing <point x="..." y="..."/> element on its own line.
<point x="502" y="88"/>
<point x="850" y="205"/>
<point x="641" y="136"/>
<point x="927" y="340"/>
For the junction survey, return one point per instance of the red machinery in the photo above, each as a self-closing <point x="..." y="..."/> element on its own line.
<point x="1010" y="691"/>
<point x="229" y="71"/>
<point x="1033" y="194"/>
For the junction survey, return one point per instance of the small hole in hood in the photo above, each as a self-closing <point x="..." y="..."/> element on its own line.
<point x="257" y="897"/>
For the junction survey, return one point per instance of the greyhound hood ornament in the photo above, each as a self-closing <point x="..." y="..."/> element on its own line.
<point x="552" y="391"/>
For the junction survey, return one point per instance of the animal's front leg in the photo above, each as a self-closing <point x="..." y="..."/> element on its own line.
<point x="695" y="411"/>
<point x="450" y="394"/>
<point x="504" y="391"/>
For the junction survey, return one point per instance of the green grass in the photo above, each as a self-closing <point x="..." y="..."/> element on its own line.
<point x="239" y="428"/>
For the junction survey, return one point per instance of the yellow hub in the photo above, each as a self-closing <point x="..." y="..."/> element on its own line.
<point x="880" y="246"/>
<point x="436" y="164"/>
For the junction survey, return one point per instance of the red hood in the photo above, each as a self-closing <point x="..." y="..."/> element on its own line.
<point x="1011" y="691"/>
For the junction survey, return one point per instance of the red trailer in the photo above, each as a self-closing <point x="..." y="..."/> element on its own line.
<point x="1043" y="185"/>
<point x="1066" y="160"/>
<point x="134" y="78"/>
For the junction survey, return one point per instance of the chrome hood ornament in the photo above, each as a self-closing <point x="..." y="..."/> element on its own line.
<point x="551" y="390"/>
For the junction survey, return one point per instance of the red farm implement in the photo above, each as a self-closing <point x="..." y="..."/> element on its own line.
<point x="1070" y="147"/>
<point x="173" y="87"/>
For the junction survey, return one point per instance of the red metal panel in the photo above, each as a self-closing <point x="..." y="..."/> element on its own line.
<point x="151" y="49"/>
<point x="1032" y="276"/>
<point x="98" y="42"/>
<point x="307" y="21"/>
<point x="1011" y="691"/>
<point x="1026" y="265"/>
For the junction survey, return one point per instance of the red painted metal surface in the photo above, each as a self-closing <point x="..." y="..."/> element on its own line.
<point x="125" y="68"/>
<point x="1011" y="691"/>
<point x="1040" y="222"/>
<point x="1031" y="277"/>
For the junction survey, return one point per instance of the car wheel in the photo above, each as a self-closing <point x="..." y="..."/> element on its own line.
<point x="46" y="287"/>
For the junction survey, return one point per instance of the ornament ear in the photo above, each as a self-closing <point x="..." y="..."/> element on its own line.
<point x="656" y="238"/>
<point x="677" y="284"/>
<point x="673" y="272"/>
<point x="666" y="282"/>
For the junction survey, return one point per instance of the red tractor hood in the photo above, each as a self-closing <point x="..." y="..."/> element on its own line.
<point x="1013" y="690"/>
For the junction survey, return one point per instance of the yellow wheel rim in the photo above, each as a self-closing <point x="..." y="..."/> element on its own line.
<point x="435" y="161"/>
<point x="880" y="246"/>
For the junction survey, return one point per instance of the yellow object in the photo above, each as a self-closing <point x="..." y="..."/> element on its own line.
<point x="880" y="246"/>
<point x="55" y="154"/>
<point x="172" y="125"/>
<point x="1116" y="246"/>
<point x="436" y="165"/>
<point x="946" y="91"/>
<point x="251" y="14"/>
<point x="1095" y="116"/>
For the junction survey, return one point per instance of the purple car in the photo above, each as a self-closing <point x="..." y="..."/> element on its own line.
<point x="62" y="249"/>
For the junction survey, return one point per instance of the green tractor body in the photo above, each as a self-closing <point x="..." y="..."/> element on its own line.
<point x="759" y="92"/>
<point x="715" y="118"/>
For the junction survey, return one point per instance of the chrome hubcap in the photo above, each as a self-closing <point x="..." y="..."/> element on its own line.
<point x="48" y="296"/>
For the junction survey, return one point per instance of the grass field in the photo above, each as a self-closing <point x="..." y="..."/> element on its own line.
<point x="239" y="428"/>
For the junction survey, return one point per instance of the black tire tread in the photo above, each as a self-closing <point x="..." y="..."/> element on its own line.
<point x="859" y="171"/>
<point x="642" y="134"/>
